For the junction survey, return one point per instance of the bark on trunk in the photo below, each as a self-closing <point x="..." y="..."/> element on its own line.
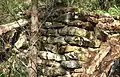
<point x="34" y="37"/>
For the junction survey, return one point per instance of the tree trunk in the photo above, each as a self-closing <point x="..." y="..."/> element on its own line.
<point x="34" y="38"/>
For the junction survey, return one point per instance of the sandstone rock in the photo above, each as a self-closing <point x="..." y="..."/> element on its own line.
<point x="52" y="32"/>
<point x="51" y="56"/>
<point x="69" y="48"/>
<point x="76" y="74"/>
<point x="70" y="64"/>
<point x="49" y="63"/>
<point x="82" y="41"/>
<point x="46" y="55"/>
<point x="73" y="31"/>
<point x="81" y="24"/>
<point x="54" y="25"/>
<point x="83" y="57"/>
<point x="74" y="40"/>
<point x="50" y="40"/>
<point x="86" y="42"/>
<point x="53" y="40"/>
<point x="63" y="31"/>
<point x="50" y="71"/>
<point x="43" y="31"/>
<point x="97" y="43"/>
<point x="71" y="56"/>
<point x="80" y="32"/>
<point x="60" y="58"/>
<point x="90" y="35"/>
<point x="43" y="39"/>
<point x="93" y="49"/>
<point x="51" y="47"/>
<point x="60" y="40"/>
<point x="79" y="70"/>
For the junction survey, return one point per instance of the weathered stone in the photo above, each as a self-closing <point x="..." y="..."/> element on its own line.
<point x="79" y="70"/>
<point x="79" y="31"/>
<point x="71" y="30"/>
<point x="53" y="25"/>
<point x="93" y="49"/>
<point x="50" y="40"/>
<point x="64" y="76"/>
<point x="43" y="39"/>
<point x="80" y="41"/>
<point x="46" y="55"/>
<point x="60" y="58"/>
<point x="84" y="50"/>
<point x="50" y="71"/>
<point x="97" y="43"/>
<point x="76" y="74"/>
<point x="60" y="40"/>
<point x="71" y="56"/>
<point x="74" y="40"/>
<point x="80" y="55"/>
<point x="69" y="48"/>
<point x="83" y="57"/>
<point x="52" y="32"/>
<point x="49" y="63"/>
<point x="90" y="35"/>
<point x="86" y="42"/>
<point x="51" y="47"/>
<point x="78" y="23"/>
<point x="42" y="76"/>
<point x="51" y="56"/>
<point x="53" y="40"/>
<point x="63" y="31"/>
<point x="81" y="24"/>
<point x="70" y="64"/>
<point x="43" y="31"/>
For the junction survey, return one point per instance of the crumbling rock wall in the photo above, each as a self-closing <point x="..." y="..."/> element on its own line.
<point x="68" y="37"/>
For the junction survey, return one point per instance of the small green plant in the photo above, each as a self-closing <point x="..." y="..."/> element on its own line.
<point x="2" y="74"/>
<point x="114" y="10"/>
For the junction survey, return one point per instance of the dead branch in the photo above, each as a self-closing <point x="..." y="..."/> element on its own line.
<point x="7" y="27"/>
<point x="98" y="58"/>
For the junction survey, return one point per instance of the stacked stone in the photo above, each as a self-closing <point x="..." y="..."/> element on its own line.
<point x="67" y="36"/>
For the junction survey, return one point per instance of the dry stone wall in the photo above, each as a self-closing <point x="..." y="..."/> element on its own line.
<point x="67" y="38"/>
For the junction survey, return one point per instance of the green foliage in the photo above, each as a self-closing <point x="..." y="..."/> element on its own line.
<point x="9" y="10"/>
<point x="2" y="74"/>
<point x="84" y="4"/>
<point x="114" y="10"/>
<point x="15" y="67"/>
